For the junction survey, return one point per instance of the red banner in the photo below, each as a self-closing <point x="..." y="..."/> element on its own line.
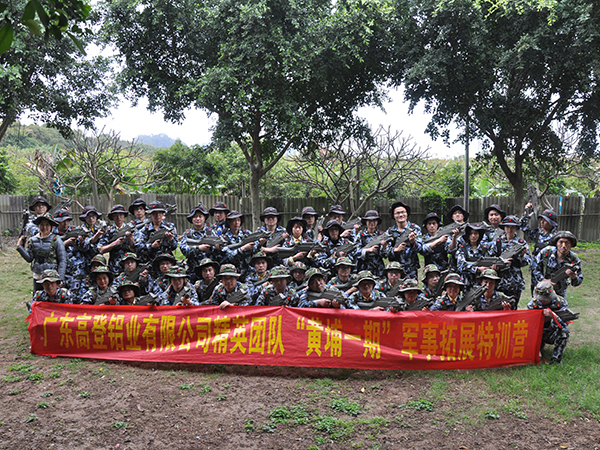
<point x="280" y="336"/>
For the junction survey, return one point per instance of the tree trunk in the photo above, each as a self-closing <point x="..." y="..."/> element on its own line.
<point x="255" y="176"/>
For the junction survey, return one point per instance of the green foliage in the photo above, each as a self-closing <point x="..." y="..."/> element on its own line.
<point x="491" y="415"/>
<point x="419" y="405"/>
<point x="43" y="405"/>
<point x="8" y="181"/>
<point x="335" y="428"/>
<point x="343" y="405"/>
<point x="281" y="414"/>
<point x="248" y="426"/>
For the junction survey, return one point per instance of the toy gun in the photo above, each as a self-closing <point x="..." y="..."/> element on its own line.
<point x="445" y="231"/>
<point x="213" y="241"/>
<point x="209" y="291"/>
<point x="186" y="292"/>
<point x="65" y="204"/>
<point x="496" y="304"/>
<point x="533" y="199"/>
<point x="383" y="302"/>
<point x="236" y="296"/>
<point x="252" y="237"/>
<point x="378" y="240"/>
<point x="350" y="224"/>
<point x="24" y="222"/>
<point x="159" y="235"/>
<point x="565" y="314"/>
<point x="512" y="252"/>
<point x="395" y="290"/>
<point x="104" y="299"/>
<point x="418" y="304"/>
<point x="121" y="233"/>
<point x="319" y="224"/>
<point x="147" y="300"/>
<point x="287" y="252"/>
<point x="345" y="248"/>
<point x="275" y="240"/>
<point x="328" y="294"/>
<point x="560" y="276"/>
<point x="134" y="275"/>
<point x="347" y="285"/>
<point x="277" y="300"/>
<point x="473" y="295"/>
<point x="439" y="287"/>
<point x="402" y="237"/>
<point x="74" y="232"/>
<point x="264" y="280"/>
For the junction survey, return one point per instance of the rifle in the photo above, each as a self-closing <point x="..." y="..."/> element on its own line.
<point x="261" y="234"/>
<point x="394" y="291"/>
<point x="345" y="248"/>
<point x="286" y="252"/>
<point x="418" y="305"/>
<point x="384" y="302"/>
<point x="74" y="232"/>
<point x="275" y="240"/>
<point x="347" y="285"/>
<point x="65" y="204"/>
<point x="147" y="300"/>
<point x="496" y="304"/>
<point x="277" y="300"/>
<point x="236" y="296"/>
<point x="264" y="280"/>
<point x="439" y="287"/>
<point x="329" y="294"/>
<point x="402" y="237"/>
<point x="533" y="199"/>
<point x="561" y="274"/>
<point x="378" y="240"/>
<point x="350" y="224"/>
<point x="209" y="290"/>
<point x="185" y="292"/>
<point x="121" y="233"/>
<point x="135" y="273"/>
<point x="474" y="294"/>
<point x="565" y="314"/>
<point x="159" y="235"/>
<point x="104" y="299"/>
<point x="24" y="222"/>
<point x="445" y="231"/>
<point x="319" y="224"/>
<point x="501" y="261"/>
<point x="213" y="241"/>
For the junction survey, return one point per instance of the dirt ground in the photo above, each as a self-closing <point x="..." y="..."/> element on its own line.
<point x="102" y="404"/>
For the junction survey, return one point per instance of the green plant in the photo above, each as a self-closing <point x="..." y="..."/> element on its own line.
<point x="419" y="405"/>
<point x="205" y="389"/>
<point x="491" y="415"/>
<point x="221" y="397"/>
<point x="281" y="414"/>
<point x="186" y="386"/>
<point x="119" y="424"/>
<point x="46" y="394"/>
<point x="299" y="415"/>
<point x="21" y="368"/>
<point x="343" y="405"/>
<point x="43" y="405"/>
<point x="268" y="428"/>
<point x="36" y="377"/>
<point x="11" y="378"/>
<point x="84" y="394"/>
<point x="336" y="428"/>
<point x="30" y="418"/>
<point x="249" y="426"/>
<point x="15" y="392"/>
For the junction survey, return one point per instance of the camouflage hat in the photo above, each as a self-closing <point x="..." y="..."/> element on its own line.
<point x="270" y="212"/>
<point x="198" y="208"/>
<point x="89" y="209"/>
<point x="432" y="216"/>
<point x="410" y="285"/>
<point x="371" y="215"/>
<point x="46" y="216"/>
<point x="39" y="199"/>
<point x="454" y="209"/>
<point x="228" y="270"/>
<point x="430" y="268"/>
<point x="453" y="278"/>
<point x="564" y="235"/>
<point x="476" y="226"/>
<point x="261" y="255"/>
<point x="344" y="261"/>
<point x="510" y="221"/>
<point x="336" y="209"/>
<point x="218" y="206"/>
<point x="315" y="271"/>
<point x="156" y="206"/>
<point x="129" y="284"/>
<point x="279" y="272"/>
<point x="137" y="202"/>
<point x="393" y="265"/>
<point x="117" y="209"/>
<point x="308" y="211"/>
<point x="298" y="265"/>
<point x="365" y="275"/>
<point x="494" y="207"/>
<point x="550" y="216"/>
<point x="129" y="255"/>
<point x="544" y="292"/>
<point x="50" y="275"/>
<point x="206" y="262"/>
<point x="61" y="215"/>
<point x="176" y="272"/>
<point x="234" y="215"/>
<point x="397" y="205"/>
<point x="331" y="224"/>
<point x="102" y="270"/>
<point x="490" y="274"/>
<point x="160" y="258"/>
<point x="296" y="220"/>
<point x="99" y="259"/>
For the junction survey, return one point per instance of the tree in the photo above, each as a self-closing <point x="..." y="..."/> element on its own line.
<point x="277" y="74"/>
<point x="510" y="73"/>
<point x="8" y="181"/>
<point x="51" y="81"/>
<point x="358" y="169"/>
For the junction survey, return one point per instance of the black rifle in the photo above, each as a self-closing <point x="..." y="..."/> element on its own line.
<point x="512" y="252"/>
<point x="346" y="286"/>
<point x="394" y="291"/>
<point x="104" y="299"/>
<point x="566" y="315"/>
<point x="384" y="302"/>
<point x="159" y="235"/>
<point x="213" y="241"/>
<point x="418" y="304"/>
<point x="378" y="240"/>
<point x="252" y="237"/>
<point x="236" y="296"/>
<point x="319" y="225"/>
<point x="274" y="240"/>
<point x="147" y="300"/>
<point x="439" y="287"/>
<point x="74" y="232"/>
<point x="345" y="248"/>
<point x="209" y="290"/>
<point x="65" y="204"/>
<point x="277" y="300"/>
<point x="264" y="280"/>
<point x="445" y="231"/>
<point x="472" y="296"/>
<point x="24" y="222"/>
<point x="496" y="304"/>
<point x="350" y="224"/>
<point x="301" y="247"/>
<point x="121" y="233"/>
<point x="134" y="275"/>
<point x="561" y="274"/>
<point x="533" y="199"/>
<point x="402" y="237"/>
<point x="328" y="294"/>
<point x="182" y="294"/>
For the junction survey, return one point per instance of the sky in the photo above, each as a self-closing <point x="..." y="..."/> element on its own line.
<point x="131" y="122"/>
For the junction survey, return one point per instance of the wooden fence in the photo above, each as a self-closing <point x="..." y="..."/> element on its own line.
<point x="578" y="214"/>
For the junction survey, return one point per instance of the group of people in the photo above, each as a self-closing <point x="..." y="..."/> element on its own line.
<point x="468" y="266"/>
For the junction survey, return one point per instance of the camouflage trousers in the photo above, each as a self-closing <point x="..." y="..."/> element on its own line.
<point x="557" y="337"/>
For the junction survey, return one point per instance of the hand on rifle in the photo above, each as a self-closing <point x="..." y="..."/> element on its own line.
<point x="185" y="301"/>
<point x="144" y="275"/>
<point x="70" y="242"/>
<point x="572" y="275"/>
<point x="225" y="304"/>
<point x="21" y="241"/>
<point x="169" y="236"/>
<point x="412" y="237"/>
<point x="400" y="248"/>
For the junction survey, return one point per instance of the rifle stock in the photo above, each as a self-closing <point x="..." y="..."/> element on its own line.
<point x="328" y="294"/>
<point x="252" y="237"/>
<point x="213" y="241"/>
<point x="418" y="304"/>
<point x="74" y="232"/>
<point x="384" y="302"/>
<point x="474" y="294"/>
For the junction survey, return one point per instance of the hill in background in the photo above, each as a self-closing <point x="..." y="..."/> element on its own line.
<point x="156" y="140"/>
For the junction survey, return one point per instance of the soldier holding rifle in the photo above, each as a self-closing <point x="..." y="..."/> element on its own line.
<point x="405" y="249"/>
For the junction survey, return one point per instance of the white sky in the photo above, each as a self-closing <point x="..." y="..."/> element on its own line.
<point x="131" y="122"/>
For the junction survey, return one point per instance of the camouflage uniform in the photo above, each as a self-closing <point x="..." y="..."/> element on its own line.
<point x="466" y="256"/>
<point x="373" y="262"/>
<point x="444" y="303"/>
<point x="143" y="244"/>
<point x="193" y="254"/>
<point x="304" y="302"/>
<point x="342" y="285"/>
<point x="547" y="263"/>
<point x="45" y="253"/>
<point x="512" y="282"/>
<point x="409" y="258"/>
<point x="327" y="259"/>
<point x="237" y="257"/>
<point x="116" y="253"/>
<point x="205" y="291"/>
<point x="269" y="296"/>
<point x="169" y="297"/>
<point x="220" y="294"/>
<point x="63" y="295"/>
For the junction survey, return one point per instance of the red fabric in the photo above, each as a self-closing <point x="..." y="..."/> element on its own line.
<point x="280" y="336"/>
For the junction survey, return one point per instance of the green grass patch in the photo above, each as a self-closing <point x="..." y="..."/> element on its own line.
<point x="335" y="428"/>
<point x="281" y="414"/>
<point x="346" y="406"/>
<point x="419" y="405"/>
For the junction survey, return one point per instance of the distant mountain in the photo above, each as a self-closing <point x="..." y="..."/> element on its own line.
<point x="156" y="140"/>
